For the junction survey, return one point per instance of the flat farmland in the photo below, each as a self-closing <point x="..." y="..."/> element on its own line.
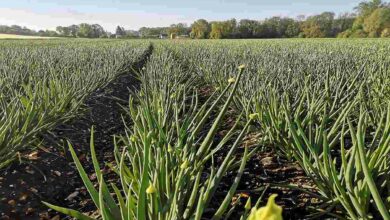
<point x="194" y="129"/>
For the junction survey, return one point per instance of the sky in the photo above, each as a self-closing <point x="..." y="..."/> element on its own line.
<point x="133" y="14"/>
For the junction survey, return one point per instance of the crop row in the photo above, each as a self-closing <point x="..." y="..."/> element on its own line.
<point x="44" y="84"/>
<point x="324" y="104"/>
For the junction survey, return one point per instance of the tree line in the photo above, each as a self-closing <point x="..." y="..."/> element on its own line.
<point x="19" y="30"/>
<point x="82" y="30"/>
<point x="371" y="19"/>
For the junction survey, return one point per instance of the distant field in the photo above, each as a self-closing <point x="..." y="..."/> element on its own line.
<point x="214" y="121"/>
<point x="13" y="36"/>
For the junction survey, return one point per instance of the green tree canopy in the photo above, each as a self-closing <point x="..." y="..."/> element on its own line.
<point x="200" y="29"/>
<point x="379" y="20"/>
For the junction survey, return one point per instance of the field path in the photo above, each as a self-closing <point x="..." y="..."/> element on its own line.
<point x="50" y="174"/>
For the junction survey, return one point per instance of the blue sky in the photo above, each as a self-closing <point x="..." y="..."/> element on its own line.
<point x="133" y="14"/>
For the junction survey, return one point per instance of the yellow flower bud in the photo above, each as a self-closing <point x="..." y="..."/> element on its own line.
<point x="184" y="165"/>
<point x="232" y="80"/>
<point x="269" y="212"/>
<point x="170" y="150"/>
<point x="241" y="67"/>
<point x="151" y="189"/>
<point x="253" y="116"/>
<point x="133" y="138"/>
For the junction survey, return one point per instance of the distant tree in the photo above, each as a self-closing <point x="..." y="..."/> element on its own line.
<point x="120" y="31"/>
<point x="274" y="27"/>
<point x="63" y="31"/>
<point x="293" y="29"/>
<point x="260" y="30"/>
<point x="247" y="28"/>
<point x="73" y="29"/>
<point x="131" y="34"/>
<point x="49" y="33"/>
<point x="230" y="28"/>
<point x="200" y="29"/>
<point x="41" y="33"/>
<point x="16" y="29"/>
<point x="364" y="9"/>
<point x="224" y="29"/>
<point x="178" y="29"/>
<point x="377" y="21"/>
<point x="358" y="34"/>
<point x="372" y="19"/>
<point x="216" y="30"/>
<point x="289" y="27"/>
<point x="318" y="25"/>
<point x="278" y="27"/>
<point x="59" y="29"/>
<point x="325" y="21"/>
<point x="154" y="32"/>
<point x="144" y="32"/>
<point x="98" y="31"/>
<point x="343" y="23"/>
<point x="312" y="30"/>
<point x="85" y="30"/>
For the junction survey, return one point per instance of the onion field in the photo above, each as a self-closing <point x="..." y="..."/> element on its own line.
<point x="203" y="129"/>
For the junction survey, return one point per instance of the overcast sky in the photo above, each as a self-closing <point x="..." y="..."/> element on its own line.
<point x="133" y="14"/>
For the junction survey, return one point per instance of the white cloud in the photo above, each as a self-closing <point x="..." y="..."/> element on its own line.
<point x="64" y="17"/>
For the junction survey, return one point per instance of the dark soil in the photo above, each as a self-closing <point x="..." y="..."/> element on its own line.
<point x="48" y="173"/>
<point x="264" y="171"/>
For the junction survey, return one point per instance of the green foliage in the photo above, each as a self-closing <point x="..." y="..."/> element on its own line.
<point x="362" y="173"/>
<point x="322" y="103"/>
<point x="247" y="28"/>
<point x="223" y="29"/>
<point x="385" y="32"/>
<point x="366" y="8"/>
<point x="376" y="22"/>
<point x="44" y="84"/>
<point x="120" y="31"/>
<point x="373" y="17"/>
<point x="165" y="165"/>
<point x="200" y="29"/>
<point x="359" y="34"/>
<point x="178" y="29"/>
<point x="318" y="25"/>
<point x="83" y="30"/>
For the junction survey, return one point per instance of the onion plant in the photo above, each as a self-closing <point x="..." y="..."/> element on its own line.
<point x="165" y="162"/>
<point x="305" y="94"/>
<point x="42" y="85"/>
<point x="354" y="173"/>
